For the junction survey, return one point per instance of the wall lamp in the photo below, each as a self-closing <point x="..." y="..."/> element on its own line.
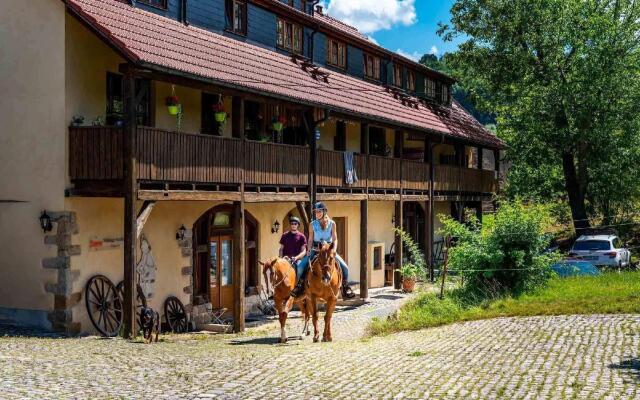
<point x="181" y="232"/>
<point x="275" y="228"/>
<point x="45" y="222"/>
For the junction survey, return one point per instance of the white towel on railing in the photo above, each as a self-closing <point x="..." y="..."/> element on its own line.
<point x="350" y="175"/>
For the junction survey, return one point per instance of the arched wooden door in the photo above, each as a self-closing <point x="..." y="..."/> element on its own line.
<point x="213" y="257"/>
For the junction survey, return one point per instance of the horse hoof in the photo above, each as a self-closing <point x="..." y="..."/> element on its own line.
<point x="308" y="333"/>
<point x="283" y="341"/>
<point x="327" y="339"/>
<point x="316" y="340"/>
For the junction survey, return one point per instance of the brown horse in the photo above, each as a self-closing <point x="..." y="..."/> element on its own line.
<point x="323" y="282"/>
<point x="283" y="278"/>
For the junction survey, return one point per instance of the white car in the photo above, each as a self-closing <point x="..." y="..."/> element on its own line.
<point x="601" y="250"/>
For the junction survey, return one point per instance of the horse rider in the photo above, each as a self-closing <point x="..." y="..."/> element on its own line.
<point x="323" y="230"/>
<point x="293" y="243"/>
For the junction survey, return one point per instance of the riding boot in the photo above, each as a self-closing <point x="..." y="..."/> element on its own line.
<point x="299" y="289"/>
<point x="347" y="293"/>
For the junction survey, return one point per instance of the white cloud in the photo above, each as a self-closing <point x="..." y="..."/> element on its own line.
<point x="373" y="15"/>
<point x="372" y="40"/>
<point x="434" y="50"/>
<point x="415" y="56"/>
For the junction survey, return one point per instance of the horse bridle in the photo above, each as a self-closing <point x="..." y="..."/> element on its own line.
<point x="270" y="268"/>
<point x="332" y="272"/>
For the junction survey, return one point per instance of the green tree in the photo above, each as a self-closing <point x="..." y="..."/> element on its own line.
<point x="563" y="78"/>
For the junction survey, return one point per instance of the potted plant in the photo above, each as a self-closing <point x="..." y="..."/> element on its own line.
<point x="410" y="274"/>
<point x="414" y="267"/>
<point x="77" y="120"/>
<point x="219" y="113"/>
<point x="278" y="123"/>
<point x="173" y="105"/>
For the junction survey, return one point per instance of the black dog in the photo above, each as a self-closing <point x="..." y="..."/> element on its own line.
<point x="150" y="323"/>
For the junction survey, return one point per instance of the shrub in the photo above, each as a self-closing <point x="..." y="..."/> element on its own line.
<point x="415" y="266"/>
<point x="507" y="256"/>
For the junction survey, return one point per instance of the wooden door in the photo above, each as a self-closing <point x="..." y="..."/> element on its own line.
<point x="221" y="272"/>
<point x="342" y="232"/>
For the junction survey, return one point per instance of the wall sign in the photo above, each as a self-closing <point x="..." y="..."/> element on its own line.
<point x="105" y="243"/>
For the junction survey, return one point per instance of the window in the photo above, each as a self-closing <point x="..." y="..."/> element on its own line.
<point x="336" y="54"/>
<point x="115" y="101"/>
<point x="236" y="16"/>
<point x="155" y="3"/>
<point x="397" y="75"/>
<point x="446" y="94"/>
<point x="289" y="36"/>
<point x="377" y="142"/>
<point x="430" y="88"/>
<point x="303" y="5"/>
<point x="597" y="245"/>
<point x="371" y="67"/>
<point x="411" y="80"/>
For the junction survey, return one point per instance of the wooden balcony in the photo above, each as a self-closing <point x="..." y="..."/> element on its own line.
<point x="202" y="162"/>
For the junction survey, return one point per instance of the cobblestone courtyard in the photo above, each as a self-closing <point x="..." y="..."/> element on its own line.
<point x="579" y="357"/>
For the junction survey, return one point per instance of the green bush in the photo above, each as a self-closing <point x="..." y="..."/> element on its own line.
<point x="504" y="257"/>
<point x="415" y="266"/>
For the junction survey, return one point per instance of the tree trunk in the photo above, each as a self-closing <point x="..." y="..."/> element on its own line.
<point x="576" y="189"/>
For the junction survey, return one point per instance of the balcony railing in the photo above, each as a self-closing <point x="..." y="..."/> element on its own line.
<point x="95" y="154"/>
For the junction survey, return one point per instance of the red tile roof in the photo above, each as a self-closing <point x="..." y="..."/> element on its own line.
<point x="337" y="24"/>
<point x="155" y="41"/>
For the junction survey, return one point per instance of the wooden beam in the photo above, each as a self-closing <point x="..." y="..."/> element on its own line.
<point x="238" y="266"/>
<point x="143" y="216"/>
<point x="398" y="246"/>
<point x="384" y="197"/>
<point x="130" y="195"/>
<point x="237" y="117"/>
<point x="364" y="241"/>
<point x="341" y="196"/>
<point x="428" y="228"/>
<point x="303" y="216"/>
<point x="187" y="195"/>
<point x="430" y="221"/>
<point x="250" y="197"/>
<point x="415" y="197"/>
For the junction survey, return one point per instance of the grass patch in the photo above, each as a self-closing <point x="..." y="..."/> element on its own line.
<point x="609" y="293"/>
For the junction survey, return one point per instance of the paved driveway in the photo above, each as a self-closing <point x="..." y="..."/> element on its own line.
<point x="580" y="357"/>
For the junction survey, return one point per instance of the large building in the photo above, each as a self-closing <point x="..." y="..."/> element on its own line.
<point x="175" y="137"/>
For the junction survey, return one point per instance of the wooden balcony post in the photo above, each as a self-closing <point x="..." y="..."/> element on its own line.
<point x="237" y="117"/>
<point x="130" y="212"/>
<point x="431" y="220"/>
<point x="308" y="120"/>
<point x="364" y="149"/>
<point x="238" y="265"/>
<point x="364" y="241"/>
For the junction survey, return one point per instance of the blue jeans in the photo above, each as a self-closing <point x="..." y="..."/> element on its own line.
<point x="302" y="266"/>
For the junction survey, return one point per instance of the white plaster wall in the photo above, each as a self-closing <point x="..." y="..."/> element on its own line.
<point x="32" y="144"/>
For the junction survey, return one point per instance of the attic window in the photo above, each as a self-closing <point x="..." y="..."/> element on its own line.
<point x="446" y="94"/>
<point x="411" y="81"/>
<point x="289" y="36"/>
<point x="371" y="67"/>
<point x="397" y="75"/>
<point x="336" y="54"/>
<point x="430" y="88"/>
<point x="162" y="4"/>
<point x="236" y="16"/>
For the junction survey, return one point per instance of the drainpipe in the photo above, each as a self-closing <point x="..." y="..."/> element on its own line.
<point x="314" y="3"/>
<point x="312" y="46"/>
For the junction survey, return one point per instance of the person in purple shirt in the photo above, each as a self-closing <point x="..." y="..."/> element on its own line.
<point x="293" y="244"/>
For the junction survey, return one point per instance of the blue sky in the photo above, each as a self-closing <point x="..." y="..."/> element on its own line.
<point x="406" y="26"/>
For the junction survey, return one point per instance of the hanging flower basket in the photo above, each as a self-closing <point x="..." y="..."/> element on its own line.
<point x="173" y="105"/>
<point x="278" y="123"/>
<point x="220" y="113"/>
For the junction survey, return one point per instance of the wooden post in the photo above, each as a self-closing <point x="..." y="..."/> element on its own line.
<point x="397" y="283"/>
<point x="364" y="241"/>
<point x="445" y="266"/>
<point x="310" y="126"/>
<point x="431" y="220"/>
<point x="238" y="266"/>
<point x="237" y="117"/>
<point x="130" y="196"/>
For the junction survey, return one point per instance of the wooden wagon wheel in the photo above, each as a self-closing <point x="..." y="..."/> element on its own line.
<point x="141" y="301"/>
<point x="176" y="315"/>
<point x="103" y="305"/>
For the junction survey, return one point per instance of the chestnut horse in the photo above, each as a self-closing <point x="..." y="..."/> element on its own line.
<point x="283" y="278"/>
<point x="323" y="282"/>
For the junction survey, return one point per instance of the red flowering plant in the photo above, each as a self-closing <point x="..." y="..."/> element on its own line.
<point x="218" y="108"/>
<point x="172" y="101"/>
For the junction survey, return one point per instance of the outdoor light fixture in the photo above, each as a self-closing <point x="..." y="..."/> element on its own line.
<point x="181" y="232"/>
<point x="45" y="222"/>
<point x="275" y="227"/>
<point x="393" y="220"/>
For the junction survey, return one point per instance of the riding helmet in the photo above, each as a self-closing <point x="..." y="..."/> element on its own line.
<point x="293" y="218"/>
<point x="319" y="206"/>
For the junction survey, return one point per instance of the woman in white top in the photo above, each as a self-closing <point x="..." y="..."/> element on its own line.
<point x="323" y="230"/>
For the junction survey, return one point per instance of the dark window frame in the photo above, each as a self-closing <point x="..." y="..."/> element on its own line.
<point x="230" y="16"/>
<point x="411" y="80"/>
<point x="114" y="113"/>
<point x="330" y="45"/>
<point x="430" y="88"/>
<point x="397" y="78"/>
<point x="152" y="3"/>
